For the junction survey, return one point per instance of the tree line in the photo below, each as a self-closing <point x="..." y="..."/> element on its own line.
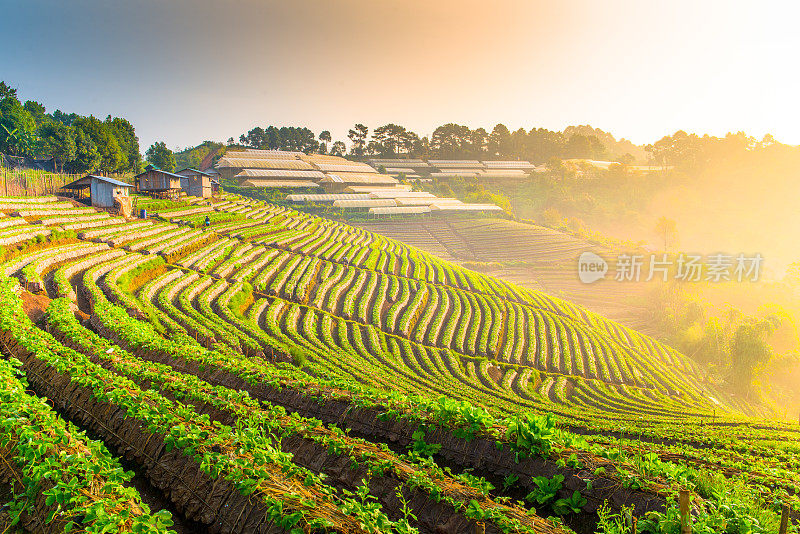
<point x="450" y="141"/>
<point x="76" y="143"/>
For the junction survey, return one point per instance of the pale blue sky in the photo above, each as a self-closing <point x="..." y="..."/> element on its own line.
<point x="188" y="70"/>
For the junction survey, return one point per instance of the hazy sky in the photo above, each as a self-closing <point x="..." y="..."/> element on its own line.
<point x="188" y="70"/>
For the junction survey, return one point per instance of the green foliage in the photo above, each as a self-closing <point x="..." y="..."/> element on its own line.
<point x="112" y="156"/>
<point x="509" y="481"/>
<point x="531" y="434"/>
<point x="160" y="156"/>
<point x="283" y="138"/>
<point x="573" y="505"/>
<point x="58" y="140"/>
<point x="193" y="157"/>
<point x="298" y="355"/>
<point x="546" y="489"/>
<point x="421" y="447"/>
<point x="241" y="299"/>
<point x="17" y="128"/>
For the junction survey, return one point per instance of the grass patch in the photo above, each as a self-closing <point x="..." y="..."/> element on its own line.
<point x="242" y="300"/>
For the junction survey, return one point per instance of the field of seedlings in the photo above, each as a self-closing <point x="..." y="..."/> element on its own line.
<point x="281" y="372"/>
<point x="526" y="255"/>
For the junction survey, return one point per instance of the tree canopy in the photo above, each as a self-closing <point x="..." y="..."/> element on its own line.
<point x="76" y="143"/>
<point x="161" y="156"/>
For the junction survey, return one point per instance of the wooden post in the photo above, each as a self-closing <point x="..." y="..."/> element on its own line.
<point x="784" y="520"/>
<point x="480" y="527"/>
<point x="686" y="518"/>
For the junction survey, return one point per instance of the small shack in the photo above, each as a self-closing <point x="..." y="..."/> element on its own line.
<point x="195" y="183"/>
<point x="159" y="183"/>
<point x="104" y="192"/>
<point x="214" y="176"/>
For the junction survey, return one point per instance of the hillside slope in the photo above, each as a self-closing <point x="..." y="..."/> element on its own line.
<point x="393" y="349"/>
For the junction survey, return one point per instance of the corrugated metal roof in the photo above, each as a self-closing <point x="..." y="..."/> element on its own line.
<point x="371" y="188"/>
<point x="358" y="178"/>
<point x="508" y="164"/>
<point x="400" y="210"/>
<point x="416" y="201"/>
<point x="401" y="193"/>
<point x="330" y="197"/>
<point x="454" y="174"/>
<point x="257" y="153"/>
<point x="154" y="169"/>
<point x="278" y="184"/>
<point x="457" y="163"/>
<point x="349" y="167"/>
<point x="193" y="170"/>
<point x="263" y="163"/>
<point x="112" y="181"/>
<point x="82" y="183"/>
<point x="368" y="203"/>
<point x="326" y="158"/>
<point x="465" y="207"/>
<point x="280" y="173"/>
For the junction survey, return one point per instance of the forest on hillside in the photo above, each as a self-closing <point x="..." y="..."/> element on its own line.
<point x="76" y="143"/>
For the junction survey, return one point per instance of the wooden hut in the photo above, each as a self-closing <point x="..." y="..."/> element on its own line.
<point x="159" y="183"/>
<point x="195" y="183"/>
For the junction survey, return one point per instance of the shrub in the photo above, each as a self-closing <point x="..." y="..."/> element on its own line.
<point x="298" y="355"/>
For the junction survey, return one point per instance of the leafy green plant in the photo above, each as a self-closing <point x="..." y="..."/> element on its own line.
<point x="546" y="489"/>
<point x="531" y="434"/>
<point x="572" y="505"/>
<point x="509" y="481"/>
<point x="421" y="447"/>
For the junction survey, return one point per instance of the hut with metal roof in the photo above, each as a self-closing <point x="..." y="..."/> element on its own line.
<point x="159" y="183"/>
<point x="195" y="183"/>
<point x="103" y="191"/>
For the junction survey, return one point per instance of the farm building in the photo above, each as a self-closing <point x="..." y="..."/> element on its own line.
<point x="337" y="183"/>
<point x="398" y="193"/>
<point x="159" y="183"/>
<point x="417" y="201"/>
<point x="371" y="188"/>
<point x="455" y="164"/>
<point x="279" y="174"/>
<point x="104" y="192"/>
<point x="214" y="179"/>
<point x="299" y="198"/>
<point x="453" y="207"/>
<point x="233" y="162"/>
<point x="509" y="164"/>
<point x="195" y="183"/>
<point x="399" y="210"/>
<point x="279" y="184"/>
<point x="366" y="203"/>
<point x="390" y="165"/>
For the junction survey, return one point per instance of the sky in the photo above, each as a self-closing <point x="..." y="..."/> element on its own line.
<point x="184" y="71"/>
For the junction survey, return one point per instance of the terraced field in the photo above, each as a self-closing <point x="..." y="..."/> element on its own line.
<point x="283" y="372"/>
<point x="528" y="256"/>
